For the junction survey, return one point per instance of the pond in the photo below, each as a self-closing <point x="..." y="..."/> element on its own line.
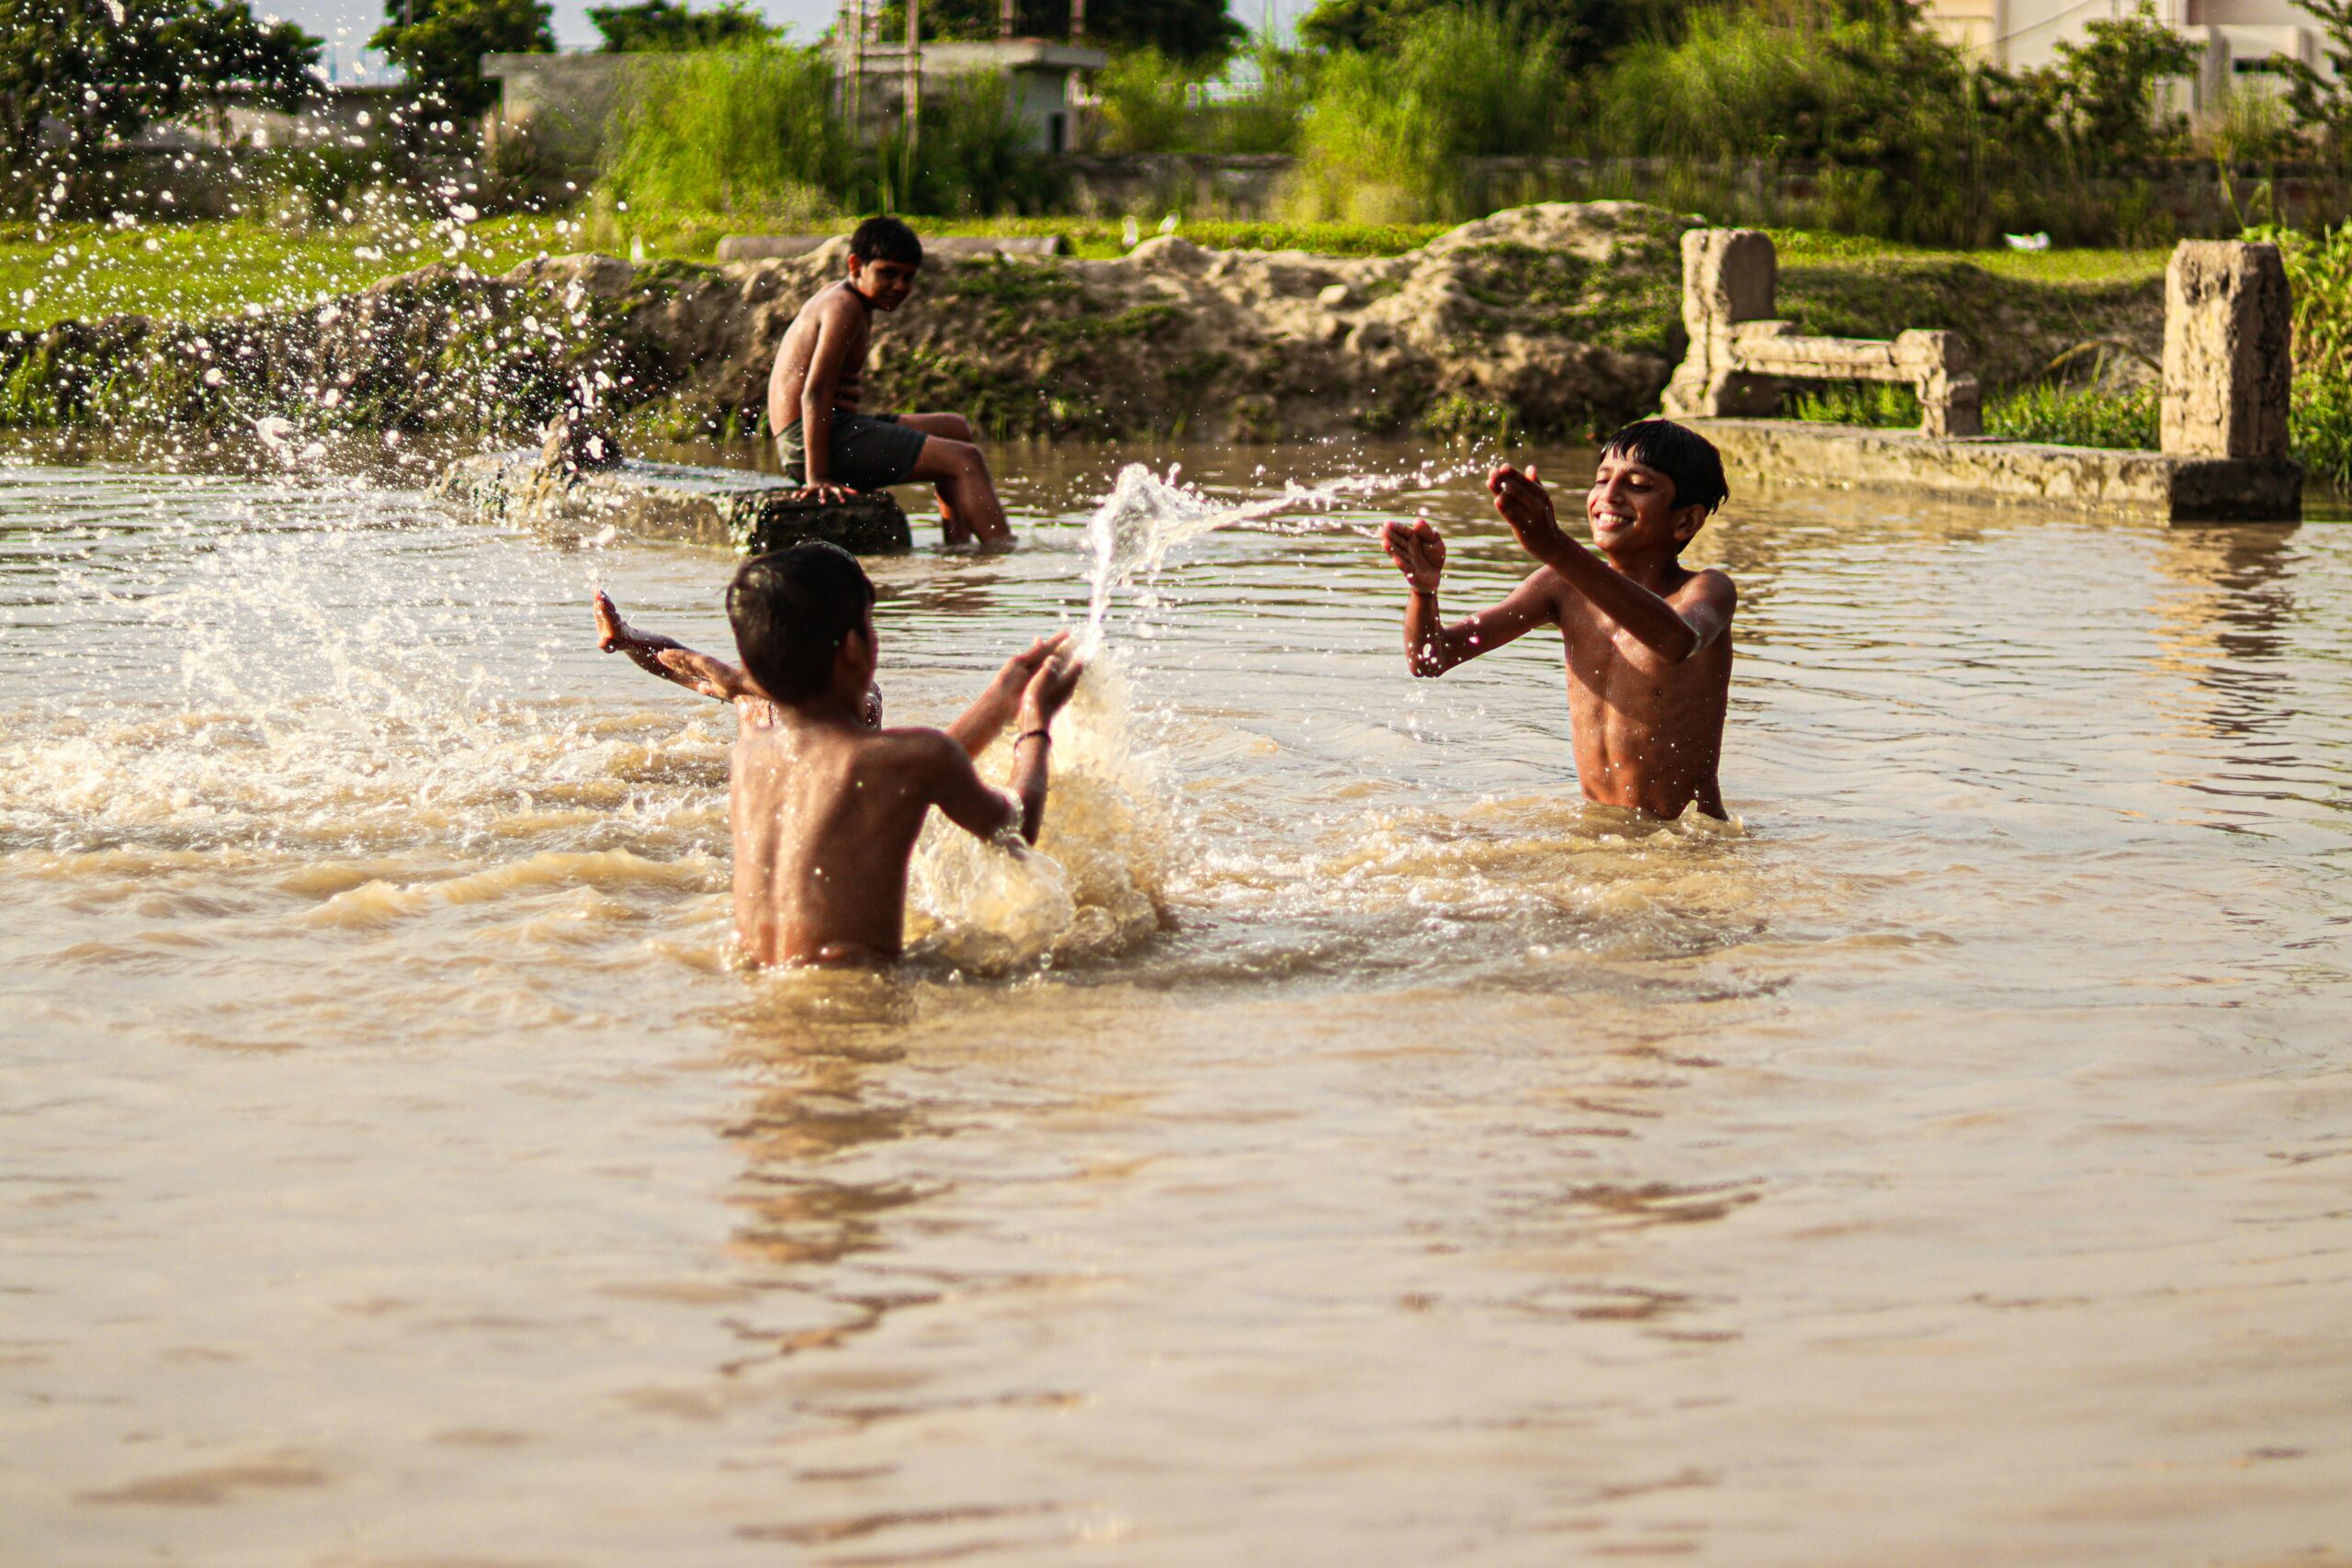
<point x="1349" y="1148"/>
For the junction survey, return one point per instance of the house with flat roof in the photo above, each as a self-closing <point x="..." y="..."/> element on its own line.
<point x="2242" y="38"/>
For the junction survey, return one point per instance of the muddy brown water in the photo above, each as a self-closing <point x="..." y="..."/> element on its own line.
<point x="1347" y="1149"/>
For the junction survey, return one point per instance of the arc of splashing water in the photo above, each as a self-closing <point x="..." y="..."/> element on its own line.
<point x="1147" y="515"/>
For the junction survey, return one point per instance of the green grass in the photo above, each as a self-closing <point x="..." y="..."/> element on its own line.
<point x="196" y="271"/>
<point x="201" y="270"/>
<point x="1813" y="248"/>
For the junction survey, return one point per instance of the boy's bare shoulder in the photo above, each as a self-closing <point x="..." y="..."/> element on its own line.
<point x="831" y="300"/>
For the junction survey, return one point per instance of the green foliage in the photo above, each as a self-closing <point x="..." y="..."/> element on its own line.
<point x="439" y="44"/>
<point x="2076" y="416"/>
<point x="1585" y="33"/>
<point x="77" y="80"/>
<point x="1196" y="31"/>
<point x="2105" y="89"/>
<point x="1879" y="405"/>
<point x="2321" y="101"/>
<point x="970" y="156"/>
<point x="2319" y="411"/>
<point x="1154" y="103"/>
<point x="738" y="132"/>
<point x="1144" y="108"/>
<point x="1388" y="136"/>
<point x="664" y="26"/>
<point x="2319" y="428"/>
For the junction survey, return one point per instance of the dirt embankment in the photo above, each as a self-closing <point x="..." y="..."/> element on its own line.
<point x="1557" y="319"/>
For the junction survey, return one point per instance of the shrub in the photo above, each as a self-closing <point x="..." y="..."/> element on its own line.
<point x="1386" y="137"/>
<point x="1143" y="95"/>
<point x="970" y="157"/>
<point x="744" y="131"/>
<point x="2076" y="416"/>
<point x="2319" y="413"/>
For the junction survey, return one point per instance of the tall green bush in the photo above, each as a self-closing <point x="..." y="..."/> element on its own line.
<point x="2319" y="413"/>
<point x="1143" y="98"/>
<point x="1387" y="136"/>
<point x="738" y="131"/>
<point x="969" y="157"/>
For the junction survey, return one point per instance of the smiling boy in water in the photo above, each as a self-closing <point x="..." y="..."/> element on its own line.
<point x="1647" y="640"/>
<point x="824" y="805"/>
<point x="834" y="449"/>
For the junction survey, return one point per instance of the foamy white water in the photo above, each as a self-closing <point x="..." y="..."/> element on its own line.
<point x="1341" y="1147"/>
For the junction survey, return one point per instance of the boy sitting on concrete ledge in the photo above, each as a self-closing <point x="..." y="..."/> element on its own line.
<point x="833" y="448"/>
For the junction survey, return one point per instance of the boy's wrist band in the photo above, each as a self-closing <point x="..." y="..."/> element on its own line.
<point x="1033" y="734"/>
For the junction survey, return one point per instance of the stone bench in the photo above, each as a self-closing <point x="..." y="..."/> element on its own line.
<point x="2228" y="369"/>
<point x="1739" y="355"/>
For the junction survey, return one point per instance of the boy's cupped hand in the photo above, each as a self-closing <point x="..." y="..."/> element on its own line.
<point x="1418" y="550"/>
<point x="1055" y="679"/>
<point x="1526" y="505"/>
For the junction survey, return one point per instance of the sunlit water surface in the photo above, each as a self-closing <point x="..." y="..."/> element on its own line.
<point x="1344" y="1149"/>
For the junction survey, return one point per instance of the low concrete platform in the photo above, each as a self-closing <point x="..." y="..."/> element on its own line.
<point x="773" y="247"/>
<point x="2181" y="489"/>
<point x="750" y="512"/>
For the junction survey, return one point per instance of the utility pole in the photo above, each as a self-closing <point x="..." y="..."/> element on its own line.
<point x="857" y="67"/>
<point x="914" y="82"/>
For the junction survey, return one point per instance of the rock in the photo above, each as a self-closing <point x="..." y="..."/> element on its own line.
<point x="750" y="512"/>
<point x="1335" y="297"/>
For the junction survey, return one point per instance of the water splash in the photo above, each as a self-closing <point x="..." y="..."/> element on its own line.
<point x="1149" y="516"/>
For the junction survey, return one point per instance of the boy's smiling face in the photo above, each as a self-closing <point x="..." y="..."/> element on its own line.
<point x="1632" y="510"/>
<point x="885" y="284"/>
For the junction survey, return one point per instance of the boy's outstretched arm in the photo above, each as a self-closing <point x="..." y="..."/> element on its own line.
<point x="984" y="720"/>
<point x="1673" y="630"/>
<point x="984" y="812"/>
<point x="670" y="659"/>
<point x="1432" y="648"/>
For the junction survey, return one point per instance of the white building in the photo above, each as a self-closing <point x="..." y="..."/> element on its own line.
<point x="2242" y="38"/>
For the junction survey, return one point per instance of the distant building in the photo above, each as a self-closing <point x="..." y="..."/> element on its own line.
<point x="566" y="101"/>
<point x="2242" y="38"/>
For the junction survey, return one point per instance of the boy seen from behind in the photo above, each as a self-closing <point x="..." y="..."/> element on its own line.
<point x="824" y="805"/>
<point x="1647" y="641"/>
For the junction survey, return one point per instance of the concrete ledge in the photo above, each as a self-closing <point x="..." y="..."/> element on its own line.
<point x="2182" y="489"/>
<point x="752" y="514"/>
<point x="769" y="247"/>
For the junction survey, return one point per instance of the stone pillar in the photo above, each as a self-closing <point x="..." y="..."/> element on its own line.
<point x="2229" y="328"/>
<point x="1729" y="277"/>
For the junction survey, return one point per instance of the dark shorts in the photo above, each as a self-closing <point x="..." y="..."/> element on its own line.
<point x="870" y="451"/>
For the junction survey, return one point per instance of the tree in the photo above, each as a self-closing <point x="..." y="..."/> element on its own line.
<point x="439" y="43"/>
<point x="2105" y="90"/>
<point x="1194" y="32"/>
<point x="2324" y="103"/>
<point x="79" y="77"/>
<point x="664" y="26"/>
<point x="1587" y="33"/>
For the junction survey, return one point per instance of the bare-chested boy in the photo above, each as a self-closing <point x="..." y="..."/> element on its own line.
<point x="833" y="448"/>
<point x="1648" y="641"/>
<point x="824" y="804"/>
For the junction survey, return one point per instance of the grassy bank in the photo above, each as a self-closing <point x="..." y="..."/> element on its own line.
<point x="203" y="270"/>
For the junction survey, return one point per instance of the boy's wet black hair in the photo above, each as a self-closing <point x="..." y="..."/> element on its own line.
<point x="791" y="610"/>
<point x="1681" y="454"/>
<point x="886" y="239"/>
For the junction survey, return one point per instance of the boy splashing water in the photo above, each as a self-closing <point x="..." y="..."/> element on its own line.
<point x="824" y="805"/>
<point x="822" y="438"/>
<point x="1647" y="641"/>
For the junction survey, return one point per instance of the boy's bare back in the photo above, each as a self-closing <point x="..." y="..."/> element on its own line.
<point x="843" y="323"/>
<point x="825" y="816"/>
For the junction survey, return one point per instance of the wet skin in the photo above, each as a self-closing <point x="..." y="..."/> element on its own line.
<point x="824" y="805"/>
<point x="818" y="370"/>
<point x="1647" y="642"/>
